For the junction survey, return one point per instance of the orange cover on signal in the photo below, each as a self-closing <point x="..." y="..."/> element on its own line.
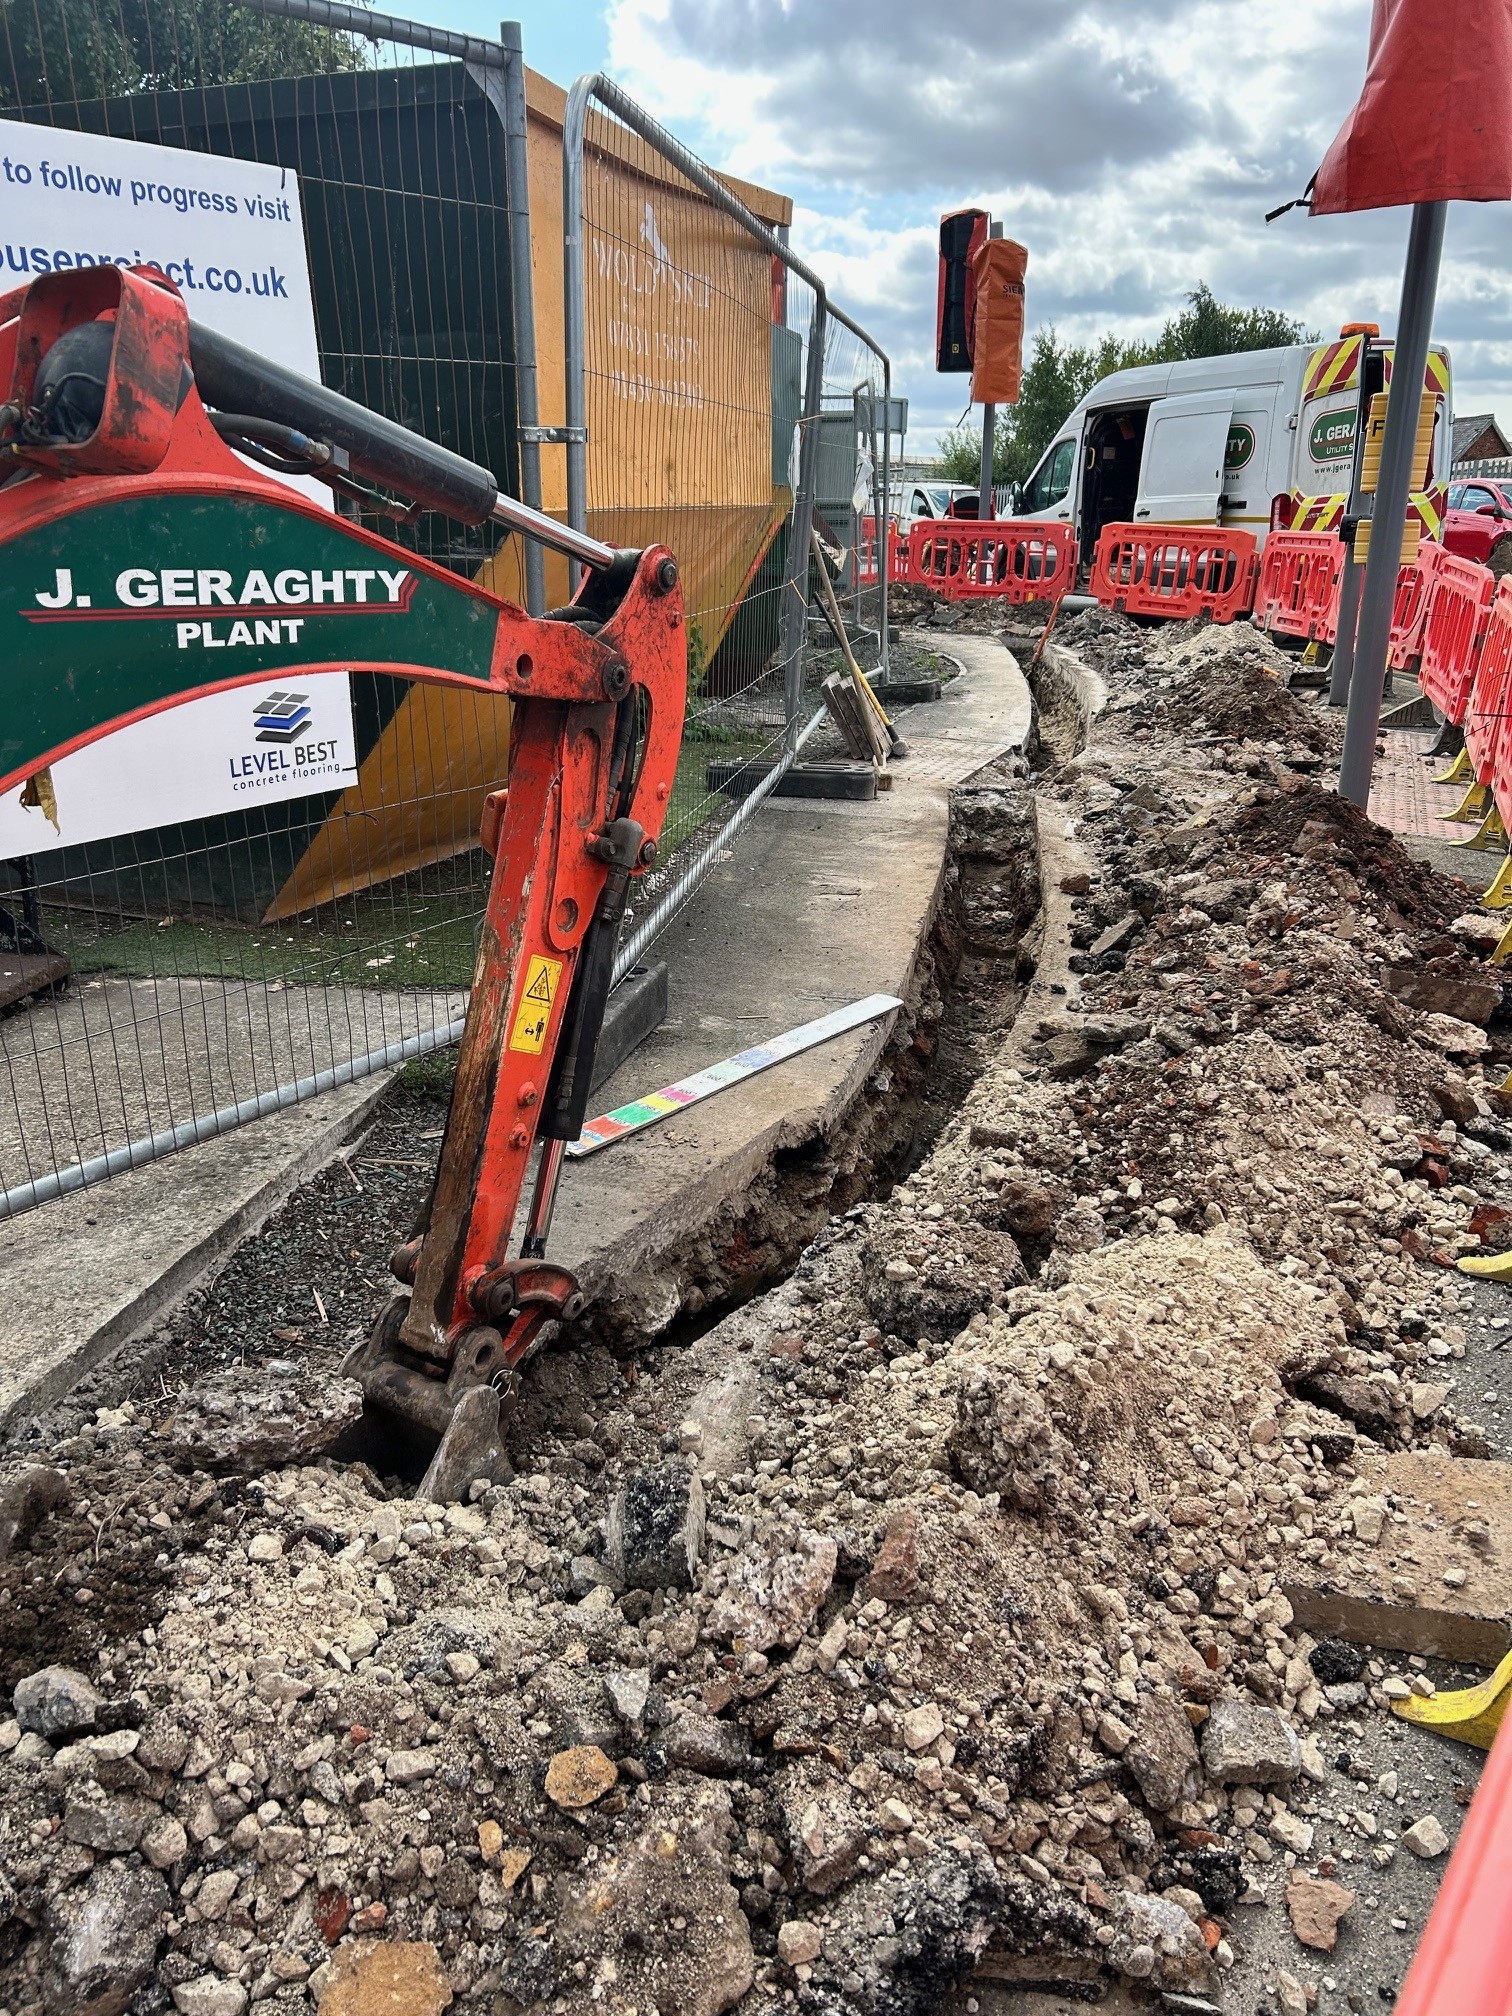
<point x="997" y="344"/>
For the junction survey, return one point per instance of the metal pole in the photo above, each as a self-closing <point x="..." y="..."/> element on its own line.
<point x="349" y="20"/>
<point x="1425" y="245"/>
<point x="574" y="310"/>
<point x="884" y="516"/>
<point x="795" y="583"/>
<point x="522" y="287"/>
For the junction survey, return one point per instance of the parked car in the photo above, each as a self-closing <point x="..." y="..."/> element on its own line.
<point x="1478" y="523"/>
<point x="933" y="498"/>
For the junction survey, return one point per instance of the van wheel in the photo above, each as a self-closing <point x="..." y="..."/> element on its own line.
<point x="1499" y="560"/>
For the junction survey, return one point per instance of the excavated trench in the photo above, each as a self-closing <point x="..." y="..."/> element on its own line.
<point x="315" y="1278"/>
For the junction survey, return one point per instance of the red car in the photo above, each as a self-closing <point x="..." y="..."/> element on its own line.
<point x="1478" y="523"/>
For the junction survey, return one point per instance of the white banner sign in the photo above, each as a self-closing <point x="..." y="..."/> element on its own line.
<point x="230" y="234"/>
<point x="224" y="753"/>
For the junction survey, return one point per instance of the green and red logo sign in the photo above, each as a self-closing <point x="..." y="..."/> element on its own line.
<point x="1331" y="436"/>
<point x="119" y="609"/>
<point x="1240" y="445"/>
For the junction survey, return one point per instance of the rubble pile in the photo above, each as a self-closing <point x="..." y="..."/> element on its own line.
<point x="922" y="1621"/>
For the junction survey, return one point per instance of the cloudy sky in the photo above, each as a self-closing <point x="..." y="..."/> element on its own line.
<point x="1133" y="148"/>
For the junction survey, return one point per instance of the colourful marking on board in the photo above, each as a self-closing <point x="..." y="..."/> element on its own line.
<point x="700" y="1085"/>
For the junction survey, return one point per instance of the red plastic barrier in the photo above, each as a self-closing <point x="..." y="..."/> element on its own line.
<point x="1409" y="609"/>
<point x="1486" y="738"/>
<point x="1463" y="1964"/>
<point x="897" y="555"/>
<point x="1298" y="595"/>
<point x="1459" y="602"/>
<point x="1014" y="560"/>
<point x="1176" y="571"/>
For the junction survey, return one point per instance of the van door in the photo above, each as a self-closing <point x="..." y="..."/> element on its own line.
<point x="1181" y="476"/>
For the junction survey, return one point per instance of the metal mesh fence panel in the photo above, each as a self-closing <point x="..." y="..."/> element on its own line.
<point x="318" y="911"/>
<point x="173" y="961"/>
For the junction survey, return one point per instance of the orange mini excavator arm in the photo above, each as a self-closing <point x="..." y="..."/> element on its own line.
<point x="143" y="561"/>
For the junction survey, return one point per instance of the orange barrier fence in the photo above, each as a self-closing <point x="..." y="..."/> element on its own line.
<point x="1463" y="1964"/>
<point x="1486" y="736"/>
<point x="866" y="555"/>
<point x="1175" y="571"/>
<point x="1298" y="595"/>
<point x="1016" y="560"/>
<point x="1459" y="603"/>
<point x="1409" y="608"/>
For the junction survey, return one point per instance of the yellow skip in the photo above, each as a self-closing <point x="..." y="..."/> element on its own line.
<point x="1469" y="1714"/>
<point x="1498" y="894"/>
<point x="1458" y="770"/>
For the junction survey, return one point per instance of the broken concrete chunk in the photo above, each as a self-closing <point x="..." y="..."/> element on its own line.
<point x="703" y="1743"/>
<point x="578" y="1777"/>
<point x="1369" y="1406"/>
<point x="770" y="1598"/>
<point x="383" y="1979"/>
<point x="1455" y="988"/>
<point x="1315" y="1906"/>
<point x="1247" y="1743"/>
<point x="210" y="1996"/>
<point x="1004" y="1440"/>
<point x="1453" y="1598"/>
<point x="1163" y="1754"/>
<point x="936" y="1293"/>
<point x="57" y="1701"/>
<point x="105" y="1937"/>
<point x="1426" y="1838"/>
<point x="256" y="1418"/>
<point x="655" y="1533"/>
<point x="677" y="1869"/>
<point x="27" y="1495"/>
<point x="1154" y="1940"/>
<point x="828" y="1833"/>
<point x="629" y="1692"/>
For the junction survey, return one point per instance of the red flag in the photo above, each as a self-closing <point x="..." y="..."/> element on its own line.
<point x="1434" y="120"/>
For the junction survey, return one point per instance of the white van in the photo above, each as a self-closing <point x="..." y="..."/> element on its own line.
<point x="1258" y="439"/>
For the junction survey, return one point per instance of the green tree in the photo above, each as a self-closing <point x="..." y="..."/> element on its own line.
<point x="1057" y="376"/>
<point x="61" y="53"/>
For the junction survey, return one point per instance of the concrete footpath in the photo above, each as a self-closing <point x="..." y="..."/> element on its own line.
<point x="816" y="904"/>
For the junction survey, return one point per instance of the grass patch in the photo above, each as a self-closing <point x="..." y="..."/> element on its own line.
<point x="387" y="938"/>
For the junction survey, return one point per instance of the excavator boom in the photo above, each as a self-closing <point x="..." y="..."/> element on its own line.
<point x="144" y="561"/>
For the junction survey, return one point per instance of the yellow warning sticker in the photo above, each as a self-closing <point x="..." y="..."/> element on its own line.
<point x="533" y="1016"/>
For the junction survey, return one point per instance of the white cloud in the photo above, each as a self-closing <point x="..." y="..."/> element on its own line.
<point x="1134" y="151"/>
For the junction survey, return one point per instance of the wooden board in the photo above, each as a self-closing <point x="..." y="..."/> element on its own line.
<point x="23" y="974"/>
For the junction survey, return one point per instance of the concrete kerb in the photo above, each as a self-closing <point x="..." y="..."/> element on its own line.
<point x="820" y="904"/>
